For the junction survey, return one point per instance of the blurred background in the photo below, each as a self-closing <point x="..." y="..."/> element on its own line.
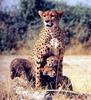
<point x="20" y="24"/>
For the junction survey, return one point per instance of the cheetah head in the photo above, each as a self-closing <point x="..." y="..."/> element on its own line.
<point x="51" y="18"/>
<point x="50" y="69"/>
<point x="52" y="61"/>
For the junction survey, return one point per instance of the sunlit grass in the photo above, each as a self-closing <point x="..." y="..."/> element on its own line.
<point x="76" y="68"/>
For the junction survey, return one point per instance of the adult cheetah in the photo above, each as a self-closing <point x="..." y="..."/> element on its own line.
<point x="43" y="46"/>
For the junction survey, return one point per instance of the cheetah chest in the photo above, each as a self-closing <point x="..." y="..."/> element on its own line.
<point x="54" y="42"/>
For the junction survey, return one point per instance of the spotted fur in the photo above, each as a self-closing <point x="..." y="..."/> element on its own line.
<point x="50" y="77"/>
<point x="50" y="69"/>
<point x="22" y="68"/>
<point x="42" y="47"/>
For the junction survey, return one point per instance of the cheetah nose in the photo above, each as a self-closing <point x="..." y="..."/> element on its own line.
<point x="47" y="21"/>
<point x="54" y="73"/>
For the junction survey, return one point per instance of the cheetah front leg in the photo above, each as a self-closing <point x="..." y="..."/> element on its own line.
<point x="37" y="64"/>
<point x="37" y="79"/>
<point x="38" y="61"/>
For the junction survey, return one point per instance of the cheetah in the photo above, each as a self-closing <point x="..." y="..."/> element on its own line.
<point x="42" y="48"/>
<point x="50" y="68"/>
<point x="50" y="78"/>
<point x="22" y="68"/>
<point x="49" y="73"/>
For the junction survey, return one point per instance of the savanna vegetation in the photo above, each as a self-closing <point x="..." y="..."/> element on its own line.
<point x="19" y="28"/>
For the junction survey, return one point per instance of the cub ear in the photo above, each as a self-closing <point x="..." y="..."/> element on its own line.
<point x="40" y="13"/>
<point x="60" y="13"/>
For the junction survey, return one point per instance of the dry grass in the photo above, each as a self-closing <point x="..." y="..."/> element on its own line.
<point x="3" y="91"/>
<point x="77" y="68"/>
<point x="20" y="90"/>
<point x="78" y="49"/>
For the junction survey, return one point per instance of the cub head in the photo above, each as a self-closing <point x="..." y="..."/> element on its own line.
<point x="52" y="61"/>
<point x="51" y="18"/>
<point x="50" y="69"/>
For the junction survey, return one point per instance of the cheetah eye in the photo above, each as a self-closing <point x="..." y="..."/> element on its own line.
<point x="44" y="15"/>
<point x="51" y="70"/>
<point x="52" y="15"/>
<point x="52" y="59"/>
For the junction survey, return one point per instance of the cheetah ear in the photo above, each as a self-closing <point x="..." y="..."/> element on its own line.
<point x="40" y="13"/>
<point x="60" y="13"/>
